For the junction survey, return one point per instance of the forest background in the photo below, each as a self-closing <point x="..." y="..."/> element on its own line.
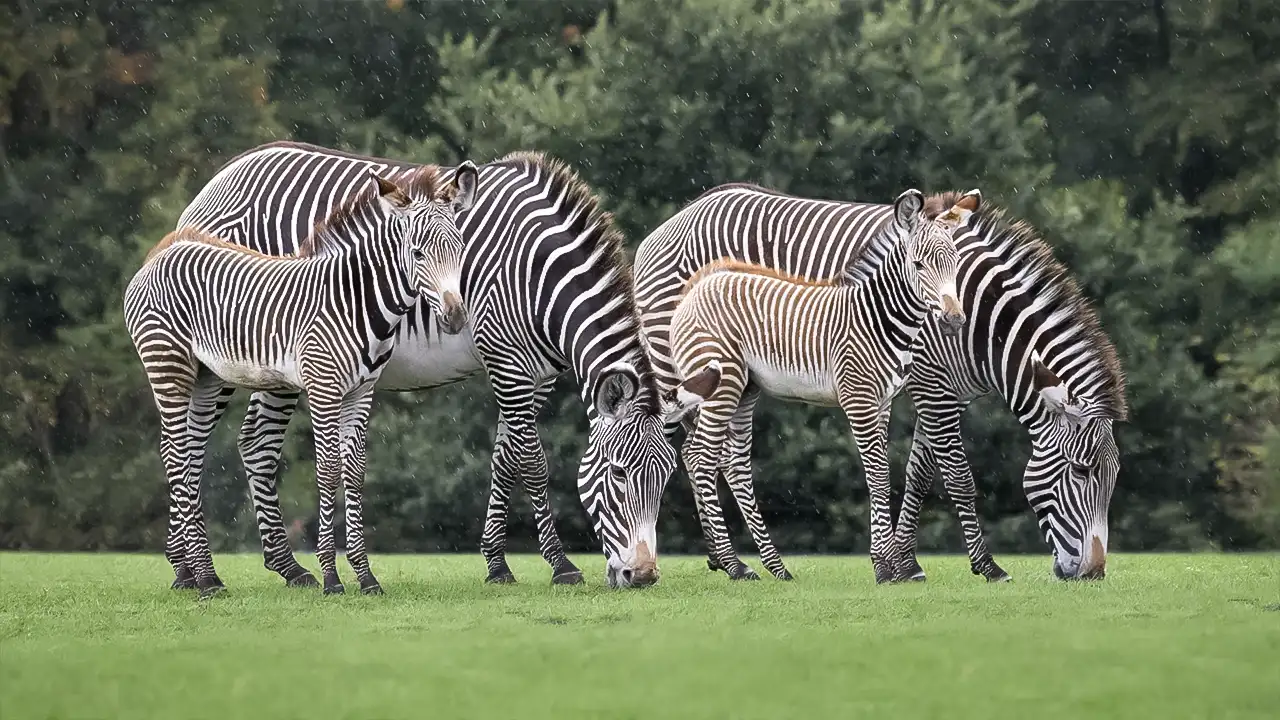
<point x="1142" y="138"/>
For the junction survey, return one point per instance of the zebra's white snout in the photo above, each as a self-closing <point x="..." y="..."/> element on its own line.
<point x="452" y="314"/>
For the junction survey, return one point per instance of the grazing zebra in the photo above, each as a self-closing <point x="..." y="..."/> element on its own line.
<point x="207" y="315"/>
<point x="845" y="343"/>
<point x="547" y="290"/>
<point x="1031" y="337"/>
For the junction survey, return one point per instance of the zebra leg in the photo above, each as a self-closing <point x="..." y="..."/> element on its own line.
<point x="921" y="469"/>
<point x="326" y="424"/>
<point x="713" y="564"/>
<point x="870" y="431"/>
<point x="208" y="403"/>
<point x="355" y="432"/>
<point x="948" y="449"/>
<point x="563" y="571"/>
<point x="735" y="465"/>
<point x="703" y="452"/>
<point x="261" y="441"/>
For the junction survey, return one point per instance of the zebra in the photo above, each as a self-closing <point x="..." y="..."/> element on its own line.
<point x="845" y="343"/>
<point x="548" y="291"/>
<point x="207" y="316"/>
<point x="1032" y="338"/>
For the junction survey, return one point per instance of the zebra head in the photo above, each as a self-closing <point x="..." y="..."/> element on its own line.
<point x="433" y="243"/>
<point x="1071" y="475"/>
<point x="623" y="474"/>
<point x="932" y="256"/>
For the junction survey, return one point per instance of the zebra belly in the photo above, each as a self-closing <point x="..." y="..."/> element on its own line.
<point x="790" y="384"/>
<point x="430" y="359"/>
<point x="252" y="374"/>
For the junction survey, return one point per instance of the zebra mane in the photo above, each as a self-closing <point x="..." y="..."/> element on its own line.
<point x="604" y="240"/>
<point x="1036" y="270"/>
<point x="716" y="267"/>
<point x="196" y="235"/>
<point x="863" y="267"/>
<point x="329" y="235"/>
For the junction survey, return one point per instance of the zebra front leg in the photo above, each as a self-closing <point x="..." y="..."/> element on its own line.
<point x="948" y="449"/>
<point x="261" y="440"/>
<point x="535" y="475"/>
<point x="921" y="469"/>
<point x="355" y="432"/>
<point x="713" y="565"/>
<point x="870" y="431"/>
<point x="326" y="425"/>
<point x="735" y="464"/>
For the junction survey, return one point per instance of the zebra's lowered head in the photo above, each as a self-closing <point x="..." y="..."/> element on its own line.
<point x="433" y="247"/>
<point x="1072" y="474"/>
<point x="630" y="434"/>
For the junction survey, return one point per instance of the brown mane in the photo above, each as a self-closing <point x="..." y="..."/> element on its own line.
<point x="1044" y="276"/>
<point x="605" y="238"/>
<point x="716" y="267"/>
<point x="191" y="234"/>
<point x="421" y="184"/>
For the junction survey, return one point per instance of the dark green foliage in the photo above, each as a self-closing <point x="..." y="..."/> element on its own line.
<point x="1140" y="138"/>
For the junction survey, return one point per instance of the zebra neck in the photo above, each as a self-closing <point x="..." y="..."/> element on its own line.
<point x="373" y="279"/>
<point x="888" y="301"/>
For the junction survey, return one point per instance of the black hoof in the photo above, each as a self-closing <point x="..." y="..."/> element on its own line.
<point x="885" y="576"/>
<point x="335" y="589"/>
<point x="742" y="572"/>
<point x="184" y="581"/>
<point x="374" y="589"/>
<point x="1001" y="577"/>
<point x="570" y="577"/>
<point x="305" y="580"/>
<point x="713" y="565"/>
<point x="785" y="575"/>
<point x="501" y="578"/>
<point x="208" y="593"/>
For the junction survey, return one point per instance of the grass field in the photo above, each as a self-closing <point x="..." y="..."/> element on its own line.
<point x="1164" y="636"/>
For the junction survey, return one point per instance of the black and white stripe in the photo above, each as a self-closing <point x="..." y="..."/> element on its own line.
<point x="547" y="290"/>
<point x="1031" y="337"/>
<point x="845" y="344"/>
<point x="207" y="316"/>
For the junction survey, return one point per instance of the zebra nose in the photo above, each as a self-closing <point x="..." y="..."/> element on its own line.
<point x="453" y="314"/>
<point x="953" y="317"/>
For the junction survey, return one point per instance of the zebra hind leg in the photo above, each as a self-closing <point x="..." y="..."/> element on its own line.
<point x="703" y="451"/>
<point x="261" y="440"/>
<point x="355" y="428"/>
<point x="208" y="403"/>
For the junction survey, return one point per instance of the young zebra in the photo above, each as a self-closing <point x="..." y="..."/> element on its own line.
<point x="845" y="343"/>
<point x="205" y="314"/>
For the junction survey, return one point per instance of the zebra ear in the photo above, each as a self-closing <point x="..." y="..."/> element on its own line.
<point x="465" y="179"/>
<point x="391" y="197"/>
<point x="617" y="388"/>
<point x="906" y="209"/>
<point x="1054" y="392"/>
<point x="691" y="393"/>
<point x="964" y="207"/>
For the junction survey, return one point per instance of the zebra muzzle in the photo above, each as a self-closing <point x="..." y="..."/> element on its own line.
<point x="952" y="318"/>
<point x="453" y="314"/>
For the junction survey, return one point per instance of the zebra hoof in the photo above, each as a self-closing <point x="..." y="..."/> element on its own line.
<point x="568" y="577"/>
<point x="211" y="592"/>
<point x="184" y="581"/>
<point x="501" y="578"/>
<point x="713" y="565"/>
<point x="334" y="589"/>
<point x="784" y="575"/>
<point x="742" y="572"/>
<point x="885" y="576"/>
<point x="374" y="589"/>
<point x="305" y="580"/>
<point x="1001" y="577"/>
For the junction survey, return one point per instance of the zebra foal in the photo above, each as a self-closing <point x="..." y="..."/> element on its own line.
<point x="845" y="343"/>
<point x="205" y="314"/>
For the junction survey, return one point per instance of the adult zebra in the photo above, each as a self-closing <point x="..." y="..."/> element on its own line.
<point x="1031" y="337"/>
<point x="547" y="289"/>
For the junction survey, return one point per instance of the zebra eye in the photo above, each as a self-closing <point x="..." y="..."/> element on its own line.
<point x="918" y="263"/>
<point x="417" y="254"/>
<point x="1079" y="468"/>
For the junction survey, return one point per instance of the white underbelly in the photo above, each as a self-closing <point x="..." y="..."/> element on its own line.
<point x="253" y="374"/>
<point x="789" y="384"/>
<point x="430" y="359"/>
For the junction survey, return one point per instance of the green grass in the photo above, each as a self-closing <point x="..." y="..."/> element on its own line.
<point x="1163" y="636"/>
